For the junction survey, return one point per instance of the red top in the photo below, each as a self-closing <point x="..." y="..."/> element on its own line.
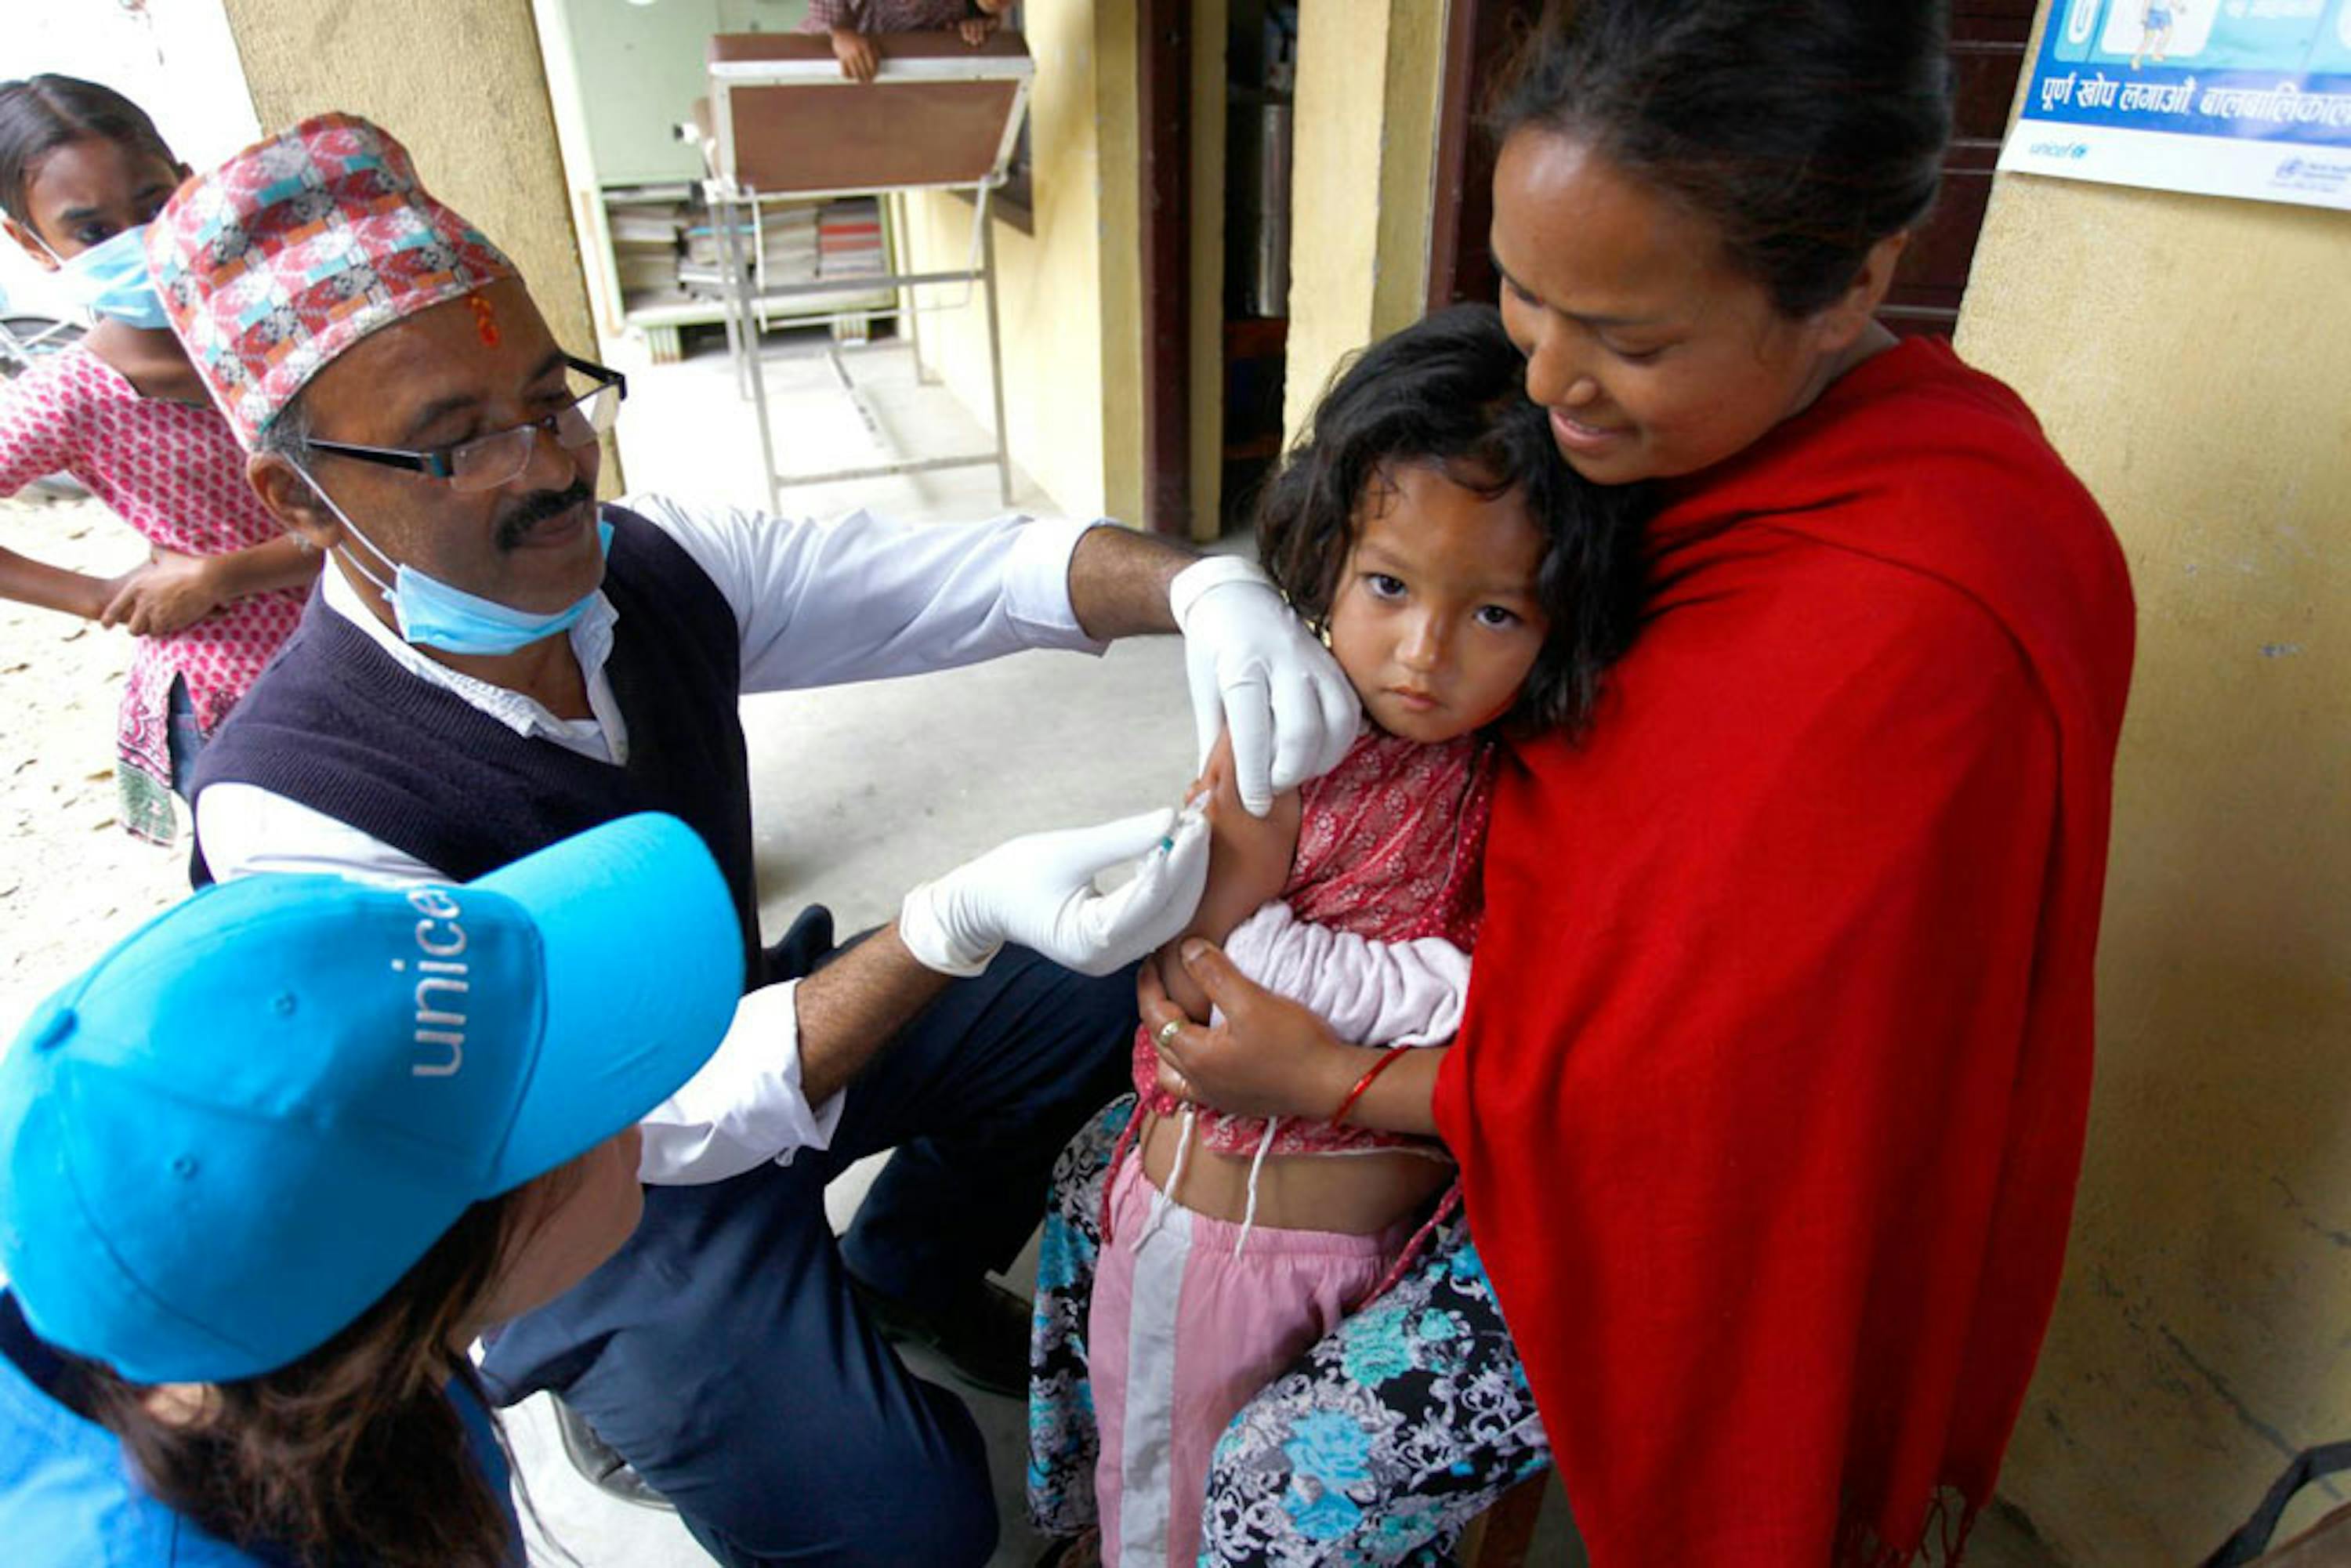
<point x="1769" y="1097"/>
<point x="1388" y="846"/>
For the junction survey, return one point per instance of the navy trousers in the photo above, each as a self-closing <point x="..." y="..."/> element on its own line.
<point x="720" y="1350"/>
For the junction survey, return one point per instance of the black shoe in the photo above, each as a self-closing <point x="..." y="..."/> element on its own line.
<point x="601" y="1464"/>
<point x="982" y="1335"/>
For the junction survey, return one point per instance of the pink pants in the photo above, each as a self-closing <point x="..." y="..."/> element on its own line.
<point x="1182" y="1334"/>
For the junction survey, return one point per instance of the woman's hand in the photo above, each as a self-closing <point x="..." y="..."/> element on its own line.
<point x="1268" y="1056"/>
<point x="975" y="29"/>
<point x="170" y="593"/>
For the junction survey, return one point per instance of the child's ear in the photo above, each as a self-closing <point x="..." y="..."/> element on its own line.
<point x="29" y="246"/>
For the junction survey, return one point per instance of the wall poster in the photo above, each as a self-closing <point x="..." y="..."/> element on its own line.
<point x="2220" y="98"/>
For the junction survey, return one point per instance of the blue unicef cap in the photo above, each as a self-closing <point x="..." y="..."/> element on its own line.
<point x="233" y="1133"/>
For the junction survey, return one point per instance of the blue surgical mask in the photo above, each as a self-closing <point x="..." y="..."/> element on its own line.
<point x="432" y="614"/>
<point x="111" y="278"/>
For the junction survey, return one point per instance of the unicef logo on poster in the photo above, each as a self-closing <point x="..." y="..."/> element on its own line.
<point x="2321" y="176"/>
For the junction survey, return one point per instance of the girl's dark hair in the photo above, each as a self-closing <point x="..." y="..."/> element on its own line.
<point x="1807" y="130"/>
<point x="1449" y="392"/>
<point x="42" y="114"/>
<point x="353" y="1453"/>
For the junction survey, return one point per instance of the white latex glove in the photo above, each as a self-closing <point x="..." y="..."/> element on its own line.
<point x="1038" y="890"/>
<point x="1256" y="669"/>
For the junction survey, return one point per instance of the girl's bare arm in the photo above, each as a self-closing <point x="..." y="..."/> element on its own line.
<point x="1249" y="861"/>
<point x="29" y="582"/>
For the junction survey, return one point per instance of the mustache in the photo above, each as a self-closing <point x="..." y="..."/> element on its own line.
<point x="533" y="510"/>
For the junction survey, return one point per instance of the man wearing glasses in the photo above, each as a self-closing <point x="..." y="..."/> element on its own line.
<point x="495" y="662"/>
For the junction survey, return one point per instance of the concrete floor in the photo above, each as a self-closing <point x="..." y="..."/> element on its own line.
<point x="859" y="792"/>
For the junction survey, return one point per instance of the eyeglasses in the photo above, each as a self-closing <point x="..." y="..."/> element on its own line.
<point x="489" y="460"/>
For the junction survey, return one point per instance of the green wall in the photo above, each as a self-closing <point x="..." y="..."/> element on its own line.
<point x="640" y="68"/>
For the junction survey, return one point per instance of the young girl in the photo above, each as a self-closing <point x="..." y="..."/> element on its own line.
<point x="82" y="171"/>
<point x="1465" y="579"/>
<point x="252" y="1216"/>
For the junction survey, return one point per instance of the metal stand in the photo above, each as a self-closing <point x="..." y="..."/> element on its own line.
<point x="731" y="208"/>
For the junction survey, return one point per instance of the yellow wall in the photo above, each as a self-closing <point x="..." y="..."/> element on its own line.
<point x="1070" y="294"/>
<point x="1361" y="182"/>
<point x="2191" y="356"/>
<point x="460" y="84"/>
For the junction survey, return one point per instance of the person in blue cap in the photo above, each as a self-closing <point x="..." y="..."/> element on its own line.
<point x="271" y="1164"/>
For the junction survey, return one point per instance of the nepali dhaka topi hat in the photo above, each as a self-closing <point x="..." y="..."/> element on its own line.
<point x="276" y="262"/>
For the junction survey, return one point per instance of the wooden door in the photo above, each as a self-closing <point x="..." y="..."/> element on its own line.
<point x="1988" y="42"/>
<point x="1988" y="39"/>
<point x="1164" y="88"/>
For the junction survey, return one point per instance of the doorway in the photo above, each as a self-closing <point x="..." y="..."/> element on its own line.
<point x="1987" y="48"/>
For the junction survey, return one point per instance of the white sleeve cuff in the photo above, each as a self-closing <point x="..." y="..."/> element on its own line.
<point x="1037" y="583"/>
<point x="745" y="1106"/>
<point x="243" y="828"/>
<point x="1184" y="590"/>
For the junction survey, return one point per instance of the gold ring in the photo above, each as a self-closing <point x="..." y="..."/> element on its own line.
<point x="1168" y="1031"/>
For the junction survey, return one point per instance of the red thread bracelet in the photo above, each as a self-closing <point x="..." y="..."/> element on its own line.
<point x="1382" y="1065"/>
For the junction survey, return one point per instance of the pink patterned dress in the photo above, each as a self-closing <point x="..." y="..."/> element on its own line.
<point x="174" y="473"/>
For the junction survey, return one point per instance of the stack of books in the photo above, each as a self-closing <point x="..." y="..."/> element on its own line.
<point x="788" y="245"/>
<point x="849" y="239"/>
<point x="704" y="245"/>
<point x="645" y="245"/>
<point x="787" y="237"/>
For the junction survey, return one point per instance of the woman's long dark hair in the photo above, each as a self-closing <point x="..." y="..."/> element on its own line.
<point x="42" y="114"/>
<point x="1806" y="130"/>
<point x="353" y="1453"/>
<point x="1449" y="392"/>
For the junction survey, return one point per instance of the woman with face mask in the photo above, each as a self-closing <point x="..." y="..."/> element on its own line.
<point x="82" y="171"/>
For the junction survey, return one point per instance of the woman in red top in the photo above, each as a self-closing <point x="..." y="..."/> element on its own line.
<point x="1770" y="1098"/>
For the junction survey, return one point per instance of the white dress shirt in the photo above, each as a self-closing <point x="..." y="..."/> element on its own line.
<point x="856" y="597"/>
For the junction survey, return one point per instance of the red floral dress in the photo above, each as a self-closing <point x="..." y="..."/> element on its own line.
<point x="1390" y="843"/>
<point x="174" y="473"/>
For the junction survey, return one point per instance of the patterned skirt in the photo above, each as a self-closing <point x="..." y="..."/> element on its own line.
<point x="1378" y="1445"/>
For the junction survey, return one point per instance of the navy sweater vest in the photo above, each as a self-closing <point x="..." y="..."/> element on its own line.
<point x="336" y="725"/>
